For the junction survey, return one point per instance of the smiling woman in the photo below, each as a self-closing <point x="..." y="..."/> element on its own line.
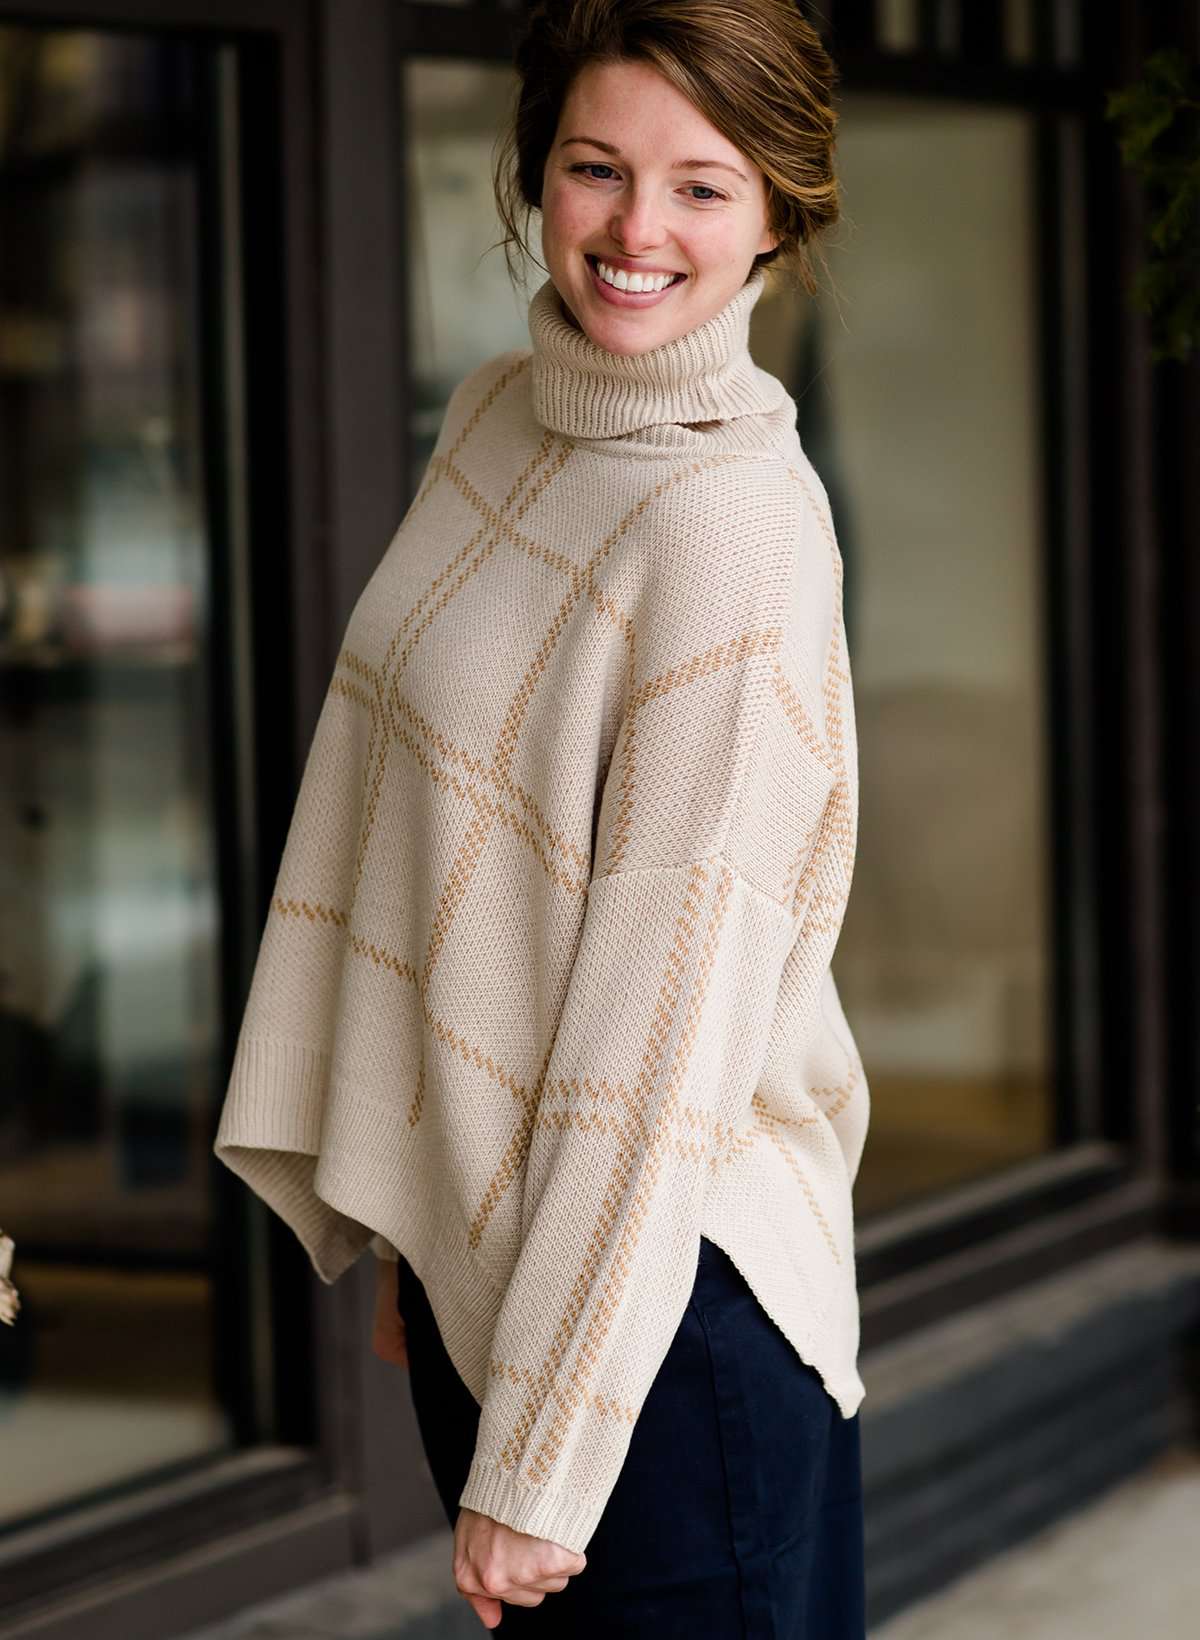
<point x="645" y="252"/>
<point x="544" y="1005"/>
<point x="610" y="95"/>
<point x="674" y="149"/>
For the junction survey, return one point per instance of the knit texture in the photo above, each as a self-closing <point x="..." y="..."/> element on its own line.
<point x="544" y="990"/>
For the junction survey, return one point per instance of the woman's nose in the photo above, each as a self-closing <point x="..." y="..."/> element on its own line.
<point x="638" y="226"/>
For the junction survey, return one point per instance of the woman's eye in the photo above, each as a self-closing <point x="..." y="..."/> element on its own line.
<point x="712" y="194"/>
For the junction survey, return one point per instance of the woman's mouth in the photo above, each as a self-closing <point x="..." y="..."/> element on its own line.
<point x="627" y="298"/>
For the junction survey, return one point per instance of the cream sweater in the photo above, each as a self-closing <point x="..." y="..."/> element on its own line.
<point x="544" y="990"/>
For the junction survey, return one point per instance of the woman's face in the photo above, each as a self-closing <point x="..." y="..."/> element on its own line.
<point x="637" y="179"/>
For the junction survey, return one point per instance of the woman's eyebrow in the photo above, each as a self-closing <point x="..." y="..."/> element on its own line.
<point x="679" y="165"/>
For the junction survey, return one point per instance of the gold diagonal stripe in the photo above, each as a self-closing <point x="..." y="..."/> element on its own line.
<point x="673" y="995"/>
<point x="771" y="1124"/>
<point x="434" y="471"/>
<point x="375" y="763"/>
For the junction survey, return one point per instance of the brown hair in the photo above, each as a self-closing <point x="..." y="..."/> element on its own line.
<point x="756" y="69"/>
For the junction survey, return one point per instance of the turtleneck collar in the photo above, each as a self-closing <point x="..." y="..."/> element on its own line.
<point x="583" y="391"/>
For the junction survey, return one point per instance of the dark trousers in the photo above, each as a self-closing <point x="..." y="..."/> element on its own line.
<point x="738" y="1512"/>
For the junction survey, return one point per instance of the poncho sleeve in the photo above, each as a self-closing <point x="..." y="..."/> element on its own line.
<point x="721" y="864"/>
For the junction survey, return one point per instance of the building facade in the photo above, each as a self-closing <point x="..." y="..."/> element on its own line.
<point x="246" y="251"/>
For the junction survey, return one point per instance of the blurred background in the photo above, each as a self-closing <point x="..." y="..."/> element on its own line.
<point x="246" y="252"/>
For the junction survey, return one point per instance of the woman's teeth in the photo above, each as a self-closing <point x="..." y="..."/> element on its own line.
<point x="633" y="281"/>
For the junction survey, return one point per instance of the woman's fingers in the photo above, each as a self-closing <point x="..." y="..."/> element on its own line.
<point x="487" y="1607"/>
<point x="494" y="1564"/>
<point x="487" y="1610"/>
<point x="518" y="1597"/>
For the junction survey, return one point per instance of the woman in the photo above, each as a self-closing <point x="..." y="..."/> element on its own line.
<point x="543" y="1011"/>
<point x="617" y="188"/>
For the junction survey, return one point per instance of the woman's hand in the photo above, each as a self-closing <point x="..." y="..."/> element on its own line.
<point x="495" y="1563"/>
<point x="388" y="1336"/>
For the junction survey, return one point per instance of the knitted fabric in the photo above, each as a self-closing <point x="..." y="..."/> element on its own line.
<point x="544" y="989"/>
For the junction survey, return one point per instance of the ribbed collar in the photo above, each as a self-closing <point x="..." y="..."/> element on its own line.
<point x="583" y="391"/>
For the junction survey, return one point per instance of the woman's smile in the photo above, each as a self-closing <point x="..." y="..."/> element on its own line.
<point x="612" y="292"/>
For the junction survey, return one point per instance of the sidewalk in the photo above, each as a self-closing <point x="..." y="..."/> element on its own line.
<point x="1129" y="1564"/>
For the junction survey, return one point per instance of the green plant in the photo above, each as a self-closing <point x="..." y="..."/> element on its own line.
<point x="1158" y="123"/>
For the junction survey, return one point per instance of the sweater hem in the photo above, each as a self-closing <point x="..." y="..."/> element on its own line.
<point x="824" y="1333"/>
<point x="341" y="1195"/>
<point x="353" y="1182"/>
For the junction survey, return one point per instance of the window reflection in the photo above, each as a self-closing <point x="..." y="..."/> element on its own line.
<point x="917" y="386"/>
<point x="464" y="308"/>
<point x="108" y="910"/>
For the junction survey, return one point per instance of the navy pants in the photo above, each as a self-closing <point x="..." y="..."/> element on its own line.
<point x="738" y="1512"/>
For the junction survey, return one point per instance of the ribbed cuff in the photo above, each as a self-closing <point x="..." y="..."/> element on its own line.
<point x="570" y="1521"/>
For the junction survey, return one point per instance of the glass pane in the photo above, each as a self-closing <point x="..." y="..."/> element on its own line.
<point x="897" y="25"/>
<point x="917" y="382"/>
<point x="1019" y="44"/>
<point x="1066" y="33"/>
<point x="464" y="308"/>
<point x="947" y="26"/>
<point x="108" y="903"/>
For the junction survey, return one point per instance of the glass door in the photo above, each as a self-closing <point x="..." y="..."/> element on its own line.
<point x="110" y="901"/>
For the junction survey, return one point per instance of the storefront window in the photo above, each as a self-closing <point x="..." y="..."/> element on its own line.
<point x="916" y="373"/>
<point x="463" y="306"/>
<point x="108" y="902"/>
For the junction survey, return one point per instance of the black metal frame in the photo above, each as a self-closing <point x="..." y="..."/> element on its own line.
<point x="327" y="413"/>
